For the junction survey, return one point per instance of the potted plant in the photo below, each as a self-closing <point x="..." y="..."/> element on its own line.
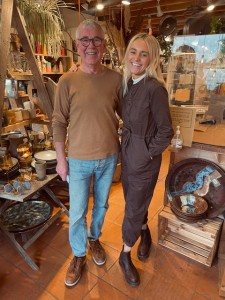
<point x="166" y="49"/>
<point x="43" y="21"/>
<point x="217" y="25"/>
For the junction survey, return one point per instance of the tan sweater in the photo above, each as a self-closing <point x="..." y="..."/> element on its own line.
<point x="86" y="104"/>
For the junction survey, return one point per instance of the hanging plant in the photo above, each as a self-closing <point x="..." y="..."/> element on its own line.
<point x="217" y="25"/>
<point x="43" y="20"/>
<point x="166" y="48"/>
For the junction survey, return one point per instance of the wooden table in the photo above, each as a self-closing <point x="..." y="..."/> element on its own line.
<point x="37" y="186"/>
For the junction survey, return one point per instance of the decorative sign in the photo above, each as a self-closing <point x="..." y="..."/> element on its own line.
<point x="185" y="118"/>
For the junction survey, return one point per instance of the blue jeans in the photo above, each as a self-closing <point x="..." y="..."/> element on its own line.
<point x="80" y="175"/>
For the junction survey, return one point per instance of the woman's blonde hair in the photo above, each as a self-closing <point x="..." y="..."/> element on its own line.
<point x="153" y="69"/>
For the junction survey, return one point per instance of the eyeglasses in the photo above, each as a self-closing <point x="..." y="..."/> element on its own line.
<point x="96" y="41"/>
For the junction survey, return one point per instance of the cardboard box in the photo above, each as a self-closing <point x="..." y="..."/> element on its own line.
<point x="198" y="241"/>
<point x="186" y="79"/>
<point x="182" y="95"/>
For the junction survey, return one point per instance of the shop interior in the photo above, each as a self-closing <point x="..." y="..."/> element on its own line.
<point x="187" y="259"/>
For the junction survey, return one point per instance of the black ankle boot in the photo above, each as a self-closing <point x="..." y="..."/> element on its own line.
<point x="143" y="250"/>
<point x="130" y="272"/>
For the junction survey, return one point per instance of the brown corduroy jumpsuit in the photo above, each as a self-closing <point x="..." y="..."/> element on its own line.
<point x="147" y="131"/>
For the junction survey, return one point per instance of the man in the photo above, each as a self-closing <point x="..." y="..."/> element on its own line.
<point x="85" y="104"/>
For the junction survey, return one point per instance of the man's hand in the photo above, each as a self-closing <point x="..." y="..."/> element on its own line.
<point x="62" y="169"/>
<point x="62" y="165"/>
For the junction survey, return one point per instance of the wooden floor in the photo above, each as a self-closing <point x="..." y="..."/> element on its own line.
<point x="165" y="275"/>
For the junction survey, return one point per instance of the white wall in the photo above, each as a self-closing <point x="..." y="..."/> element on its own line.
<point x="72" y="19"/>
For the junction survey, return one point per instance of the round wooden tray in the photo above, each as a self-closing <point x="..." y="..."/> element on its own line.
<point x="190" y="175"/>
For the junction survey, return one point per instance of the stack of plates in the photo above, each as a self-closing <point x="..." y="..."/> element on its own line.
<point x="50" y="157"/>
<point x="10" y="173"/>
<point x="189" y="207"/>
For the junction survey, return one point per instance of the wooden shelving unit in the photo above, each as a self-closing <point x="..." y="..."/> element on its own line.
<point x="37" y="120"/>
<point x="10" y="11"/>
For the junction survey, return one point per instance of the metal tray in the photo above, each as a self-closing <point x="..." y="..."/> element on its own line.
<point x="21" y="217"/>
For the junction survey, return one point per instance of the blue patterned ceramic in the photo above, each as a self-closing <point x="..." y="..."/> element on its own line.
<point x="16" y="184"/>
<point x="8" y="188"/>
<point x="27" y="185"/>
<point x="20" y="189"/>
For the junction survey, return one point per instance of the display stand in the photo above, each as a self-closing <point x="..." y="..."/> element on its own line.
<point x="10" y="12"/>
<point x="186" y="239"/>
<point x="37" y="186"/>
<point x="198" y="241"/>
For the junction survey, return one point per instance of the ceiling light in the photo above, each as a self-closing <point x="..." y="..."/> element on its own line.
<point x="99" y="5"/>
<point x="159" y="11"/>
<point x="211" y="6"/>
<point x="126" y="2"/>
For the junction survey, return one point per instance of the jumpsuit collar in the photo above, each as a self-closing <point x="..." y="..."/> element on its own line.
<point x="136" y="80"/>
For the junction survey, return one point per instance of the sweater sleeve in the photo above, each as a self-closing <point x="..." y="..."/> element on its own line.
<point x="162" y="119"/>
<point x="120" y="99"/>
<point x="60" y="118"/>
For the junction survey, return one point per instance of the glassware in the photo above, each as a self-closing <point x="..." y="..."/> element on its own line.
<point x="2" y="160"/>
<point x="48" y="142"/>
<point x="177" y="140"/>
<point x="24" y="150"/>
<point x="26" y="174"/>
<point x="25" y="154"/>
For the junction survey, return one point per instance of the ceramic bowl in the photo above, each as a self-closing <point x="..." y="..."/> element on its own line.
<point x="47" y="155"/>
<point x="190" y="205"/>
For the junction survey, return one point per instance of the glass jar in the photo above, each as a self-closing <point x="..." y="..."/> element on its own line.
<point x="24" y="150"/>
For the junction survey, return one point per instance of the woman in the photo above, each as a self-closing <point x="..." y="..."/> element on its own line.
<point x="146" y="133"/>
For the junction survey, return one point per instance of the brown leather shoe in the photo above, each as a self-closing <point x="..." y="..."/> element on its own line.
<point x="143" y="250"/>
<point x="74" y="271"/>
<point x="129" y="270"/>
<point x="98" y="253"/>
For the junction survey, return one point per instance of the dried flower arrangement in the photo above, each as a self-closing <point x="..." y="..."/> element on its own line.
<point x="43" y="20"/>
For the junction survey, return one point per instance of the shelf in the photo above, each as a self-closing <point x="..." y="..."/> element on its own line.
<point x="182" y="54"/>
<point x="50" y="55"/>
<point x="29" y="76"/>
<point x="214" y="67"/>
<point x="54" y="73"/>
<point x="37" y="120"/>
<point x="25" y="95"/>
<point x="22" y="76"/>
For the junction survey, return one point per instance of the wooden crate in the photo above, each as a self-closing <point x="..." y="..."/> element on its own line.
<point x="198" y="241"/>
<point x="221" y="262"/>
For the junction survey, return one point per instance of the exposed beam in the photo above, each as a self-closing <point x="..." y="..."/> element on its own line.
<point x="179" y="9"/>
